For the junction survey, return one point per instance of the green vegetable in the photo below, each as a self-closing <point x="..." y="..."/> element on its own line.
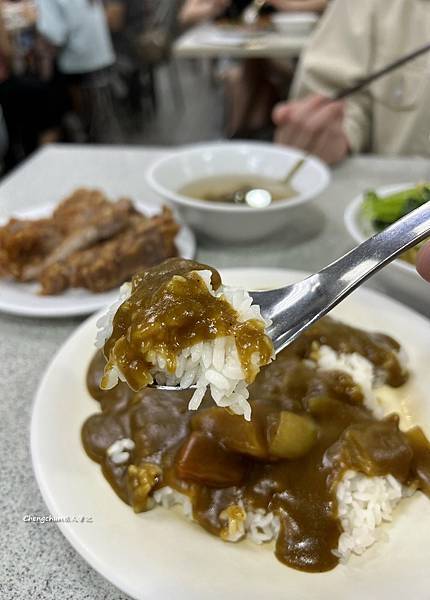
<point x="383" y="211"/>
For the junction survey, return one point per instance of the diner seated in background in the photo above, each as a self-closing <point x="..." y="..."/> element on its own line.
<point x="78" y="33"/>
<point x="198" y="11"/>
<point x="142" y="34"/>
<point x="127" y="20"/>
<point x="254" y="86"/>
<point x="352" y="40"/>
<point x="30" y="106"/>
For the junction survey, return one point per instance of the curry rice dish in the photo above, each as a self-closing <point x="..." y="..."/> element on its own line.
<point x="317" y="468"/>
<point x="176" y="324"/>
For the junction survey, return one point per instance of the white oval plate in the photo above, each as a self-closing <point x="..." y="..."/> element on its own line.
<point x="159" y="555"/>
<point x="23" y="298"/>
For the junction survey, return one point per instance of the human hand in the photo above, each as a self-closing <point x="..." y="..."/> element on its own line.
<point x="423" y="262"/>
<point x="313" y="124"/>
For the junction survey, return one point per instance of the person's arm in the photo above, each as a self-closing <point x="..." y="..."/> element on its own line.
<point x="51" y="22"/>
<point x="339" y="54"/>
<point x="5" y="45"/>
<point x="116" y="12"/>
<point x="299" y="5"/>
<point x="196" y="11"/>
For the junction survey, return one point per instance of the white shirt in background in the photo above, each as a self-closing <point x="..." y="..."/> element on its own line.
<point x="79" y="29"/>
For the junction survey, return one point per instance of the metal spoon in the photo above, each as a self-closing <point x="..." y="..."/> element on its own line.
<point x="294" y="169"/>
<point x="253" y="197"/>
<point x="296" y="307"/>
<point x="260" y="198"/>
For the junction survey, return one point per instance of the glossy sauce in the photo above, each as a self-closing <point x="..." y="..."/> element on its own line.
<point x="224" y="188"/>
<point x="171" y="309"/>
<point x="220" y="460"/>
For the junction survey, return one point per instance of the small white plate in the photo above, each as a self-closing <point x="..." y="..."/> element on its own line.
<point x="159" y="555"/>
<point x="23" y="298"/>
<point x="400" y="277"/>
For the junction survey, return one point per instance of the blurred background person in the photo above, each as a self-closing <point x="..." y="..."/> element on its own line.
<point x="143" y="32"/>
<point x="388" y="117"/>
<point x="196" y="11"/>
<point x="193" y="12"/>
<point x="31" y="108"/>
<point x="78" y="33"/>
<point x="256" y="85"/>
<point x="127" y="20"/>
<point x="253" y="86"/>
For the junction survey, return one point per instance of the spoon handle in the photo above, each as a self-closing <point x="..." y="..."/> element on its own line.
<point x="294" y="308"/>
<point x="348" y="272"/>
<point x="295" y="169"/>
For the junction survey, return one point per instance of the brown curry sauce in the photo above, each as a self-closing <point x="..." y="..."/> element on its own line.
<point x="220" y="460"/>
<point x="170" y="309"/>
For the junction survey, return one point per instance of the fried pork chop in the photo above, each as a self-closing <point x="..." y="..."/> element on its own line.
<point x="88" y="242"/>
<point x="144" y="243"/>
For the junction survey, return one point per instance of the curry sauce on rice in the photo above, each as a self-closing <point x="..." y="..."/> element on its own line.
<point x="178" y="325"/>
<point x="314" y="469"/>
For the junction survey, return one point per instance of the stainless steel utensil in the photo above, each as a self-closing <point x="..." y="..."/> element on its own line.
<point x="294" y="308"/>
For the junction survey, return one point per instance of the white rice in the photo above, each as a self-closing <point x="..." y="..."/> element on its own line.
<point x="361" y="370"/>
<point x="167" y="497"/>
<point x="105" y="323"/>
<point x="260" y="527"/>
<point x="364" y="503"/>
<point x="213" y="364"/>
<point x="119" y="451"/>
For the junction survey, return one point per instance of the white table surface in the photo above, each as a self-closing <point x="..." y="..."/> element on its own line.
<point x="37" y="562"/>
<point x="197" y="43"/>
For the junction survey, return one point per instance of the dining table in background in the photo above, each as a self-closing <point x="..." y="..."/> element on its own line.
<point x="37" y="560"/>
<point x="209" y="41"/>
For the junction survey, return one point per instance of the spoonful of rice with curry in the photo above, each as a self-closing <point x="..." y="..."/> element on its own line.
<point x="176" y="326"/>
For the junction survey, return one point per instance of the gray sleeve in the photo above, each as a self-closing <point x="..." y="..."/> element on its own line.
<point x="340" y="53"/>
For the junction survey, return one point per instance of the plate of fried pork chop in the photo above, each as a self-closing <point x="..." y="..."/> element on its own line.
<point x="70" y="258"/>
